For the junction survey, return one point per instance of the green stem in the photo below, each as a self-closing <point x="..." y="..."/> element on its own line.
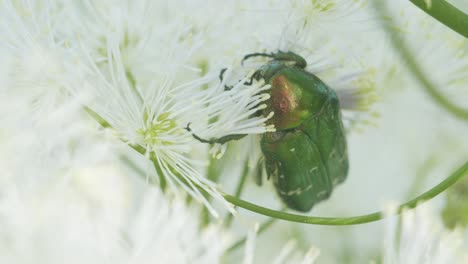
<point x="132" y="83"/>
<point x="421" y="175"/>
<point x="239" y="188"/>
<point x="213" y="175"/>
<point x="355" y="220"/>
<point x="162" y="179"/>
<point x="132" y="165"/>
<point x="446" y="14"/>
<point x="402" y="49"/>
<point x="97" y="117"/>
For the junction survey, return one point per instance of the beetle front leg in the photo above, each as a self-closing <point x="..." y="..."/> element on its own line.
<point x="255" y="76"/>
<point x="221" y="140"/>
<point x="221" y="78"/>
<point x="221" y="74"/>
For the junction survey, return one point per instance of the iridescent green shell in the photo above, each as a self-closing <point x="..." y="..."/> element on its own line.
<point x="307" y="155"/>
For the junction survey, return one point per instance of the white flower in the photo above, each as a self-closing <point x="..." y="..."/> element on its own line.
<point x="421" y="238"/>
<point x="288" y="253"/>
<point x="141" y="81"/>
<point x="94" y="218"/>
<point x="151" y="70"/>
<point x="67" y="201"/>
<point x="440" y="52"/>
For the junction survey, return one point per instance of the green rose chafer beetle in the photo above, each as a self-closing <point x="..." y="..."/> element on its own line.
<point x="307" y="155"/>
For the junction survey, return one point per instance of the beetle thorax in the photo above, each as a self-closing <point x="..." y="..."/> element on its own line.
<point x="283" y="99"/>
<point x="284" y="103"/>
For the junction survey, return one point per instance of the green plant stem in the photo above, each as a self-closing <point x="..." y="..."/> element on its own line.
<point x="239" y="189"/>
<point x="355" y="220"/>
<point x="132" y="83"/>
<point x="405" y="54"/>
<point x="162" y="179"/>
<point x="102" y="122"/>
<point x="421" y="174"/>
<point x="446" y="14"/>
<point x="213" y="175"/>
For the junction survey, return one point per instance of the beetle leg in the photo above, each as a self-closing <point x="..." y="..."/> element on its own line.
<point x="220" y="140"/>
<point x="221" y="78"/>
<point x="255" y="76"/>
<point x="260" y="171"/>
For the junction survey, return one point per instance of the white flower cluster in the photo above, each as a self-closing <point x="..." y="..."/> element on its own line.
<point x="137" y="75"/>
<point x="420" y="238"/>
<point x="103" y="105"/>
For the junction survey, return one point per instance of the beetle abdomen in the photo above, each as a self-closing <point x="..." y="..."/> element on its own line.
<point x="305" y="163"/>
<point x="298" y="172"/>
<point x="327" y="131"/>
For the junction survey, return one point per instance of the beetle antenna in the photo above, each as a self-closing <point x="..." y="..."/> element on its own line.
<point x="258" y="54"/>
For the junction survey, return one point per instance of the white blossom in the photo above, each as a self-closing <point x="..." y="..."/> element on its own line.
<point x="69" y="191"/>
<point x="287" y="254"/>
<point x="139" y="80"/>
<point x="421" y="238"/>
<point x="92" y="218"/>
